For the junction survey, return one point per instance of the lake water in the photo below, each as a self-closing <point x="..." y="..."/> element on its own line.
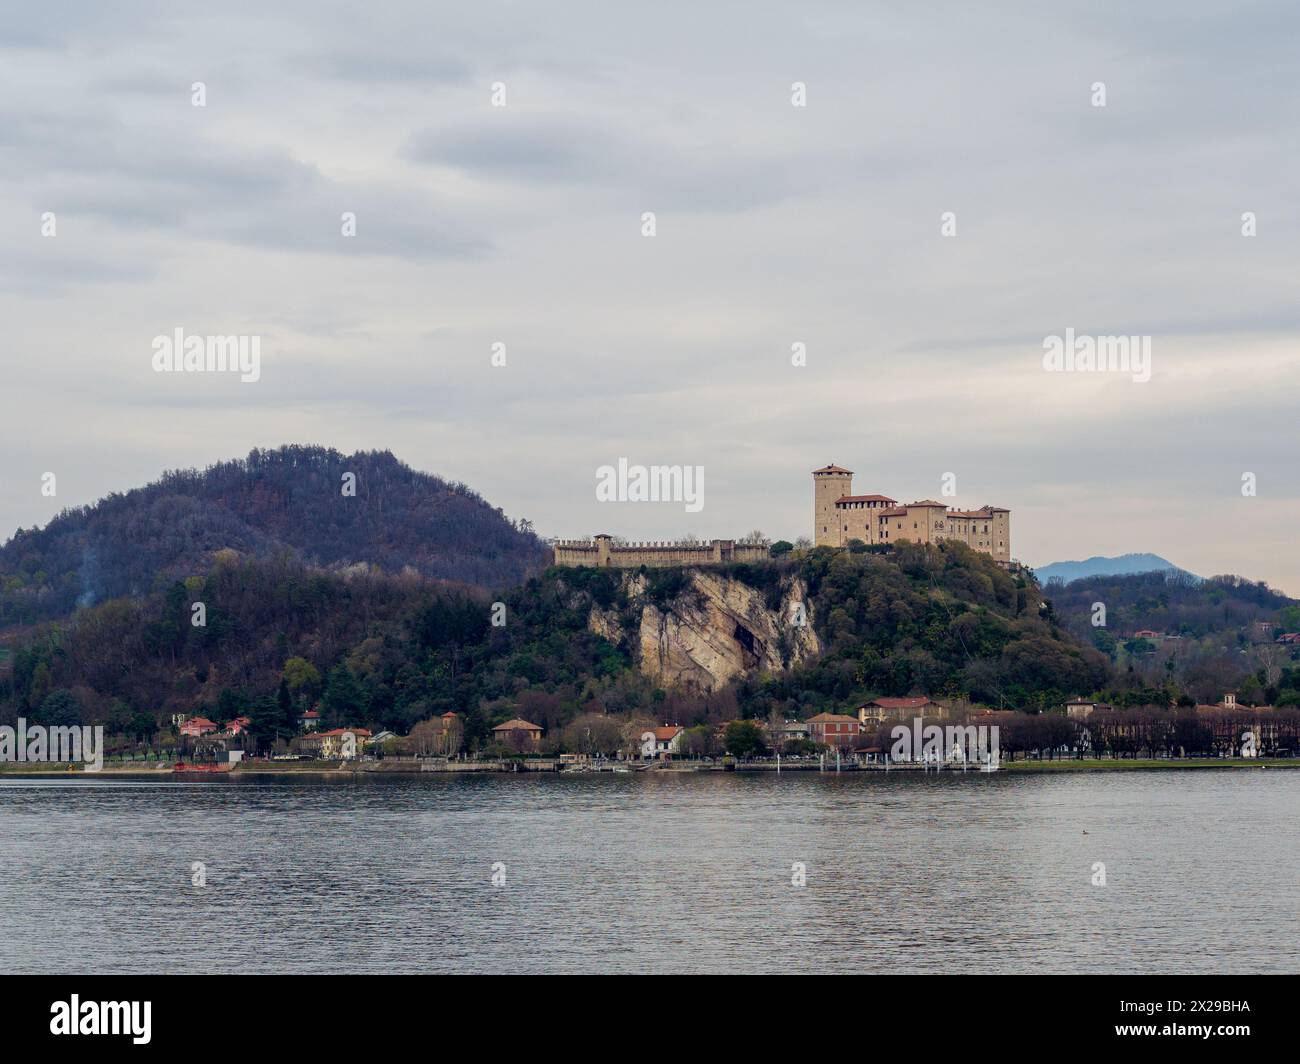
<point x="653" y="873"/>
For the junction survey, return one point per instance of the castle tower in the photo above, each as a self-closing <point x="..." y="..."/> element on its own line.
<point x="829" y="483"/>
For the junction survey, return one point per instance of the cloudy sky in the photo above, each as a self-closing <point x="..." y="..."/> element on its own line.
<point x="775" y="225"/>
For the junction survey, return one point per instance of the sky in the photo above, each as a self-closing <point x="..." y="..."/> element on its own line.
<point x="774" y="225"/>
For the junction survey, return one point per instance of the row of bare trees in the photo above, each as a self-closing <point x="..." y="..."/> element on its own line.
<point x="1135" y="733"/>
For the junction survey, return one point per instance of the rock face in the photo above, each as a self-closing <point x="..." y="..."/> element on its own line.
<point x="711" y="630"/>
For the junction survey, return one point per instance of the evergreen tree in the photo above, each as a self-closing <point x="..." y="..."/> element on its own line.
<point x="344" y="701"/>
<point x="230" y="704"/>
<point x="288" y="714"/>
<point x="265" y="726"/>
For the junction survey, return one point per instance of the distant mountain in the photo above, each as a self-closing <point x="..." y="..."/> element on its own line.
<point x="1099" y="566"/>
<point x="285" y="502"/>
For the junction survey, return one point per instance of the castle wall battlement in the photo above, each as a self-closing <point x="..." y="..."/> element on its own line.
<point x="602" y="552"/>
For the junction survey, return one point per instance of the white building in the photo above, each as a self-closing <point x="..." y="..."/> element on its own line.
<point x="662" y="742"/>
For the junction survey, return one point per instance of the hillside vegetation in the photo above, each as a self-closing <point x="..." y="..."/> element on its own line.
<point x="288" y="501"/>
<point x="941" y="620"/>
<point x="1212" y="636"/>
<point x="378" y="611"/>
<point x="389" y="651"/>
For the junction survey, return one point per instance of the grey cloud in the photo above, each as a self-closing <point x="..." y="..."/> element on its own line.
<point x="511" y="149"/>
<point x="50" y="274"/>
<point x="383" y="68"/>
<point x="173" y="179"/>
<point x="521" y="225"/>
<point x="647" y="171"/>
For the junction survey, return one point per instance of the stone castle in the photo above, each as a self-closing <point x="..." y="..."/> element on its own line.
<point x="601" y="551"/>
<point x="840" y="516"/>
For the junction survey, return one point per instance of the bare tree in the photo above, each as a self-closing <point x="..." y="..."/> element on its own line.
<point x="1269" y="657"/>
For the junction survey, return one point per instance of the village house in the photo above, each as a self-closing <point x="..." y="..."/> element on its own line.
<point x="837" y="730"/>
<point x="661" y="742"/>
<point x="310" y="720"/>
<point x="195" y="727"/>
<point x="238" y="726"/>
<point x="518" y="734"/>
<point x="791" y="731"/>
<point x="331" y="745"/>
<point x="1229" y="720"/>
<point x="879" y="710"/>
<point x="1230" y="704"/>
<point x="1079" y="708"/>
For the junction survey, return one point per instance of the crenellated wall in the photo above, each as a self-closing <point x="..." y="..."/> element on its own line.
<point x="603" y="553"/>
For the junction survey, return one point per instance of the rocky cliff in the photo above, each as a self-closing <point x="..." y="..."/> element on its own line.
<point x="706" y="628"/>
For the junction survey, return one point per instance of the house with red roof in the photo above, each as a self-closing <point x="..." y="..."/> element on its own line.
<point x="837" y="730"/>
<point x="661" y="742"/>
<point x="333" y="745"/>
<point x="518" y="734"/>
<point x="195" y="727"/>
<point x="879" y="710"/>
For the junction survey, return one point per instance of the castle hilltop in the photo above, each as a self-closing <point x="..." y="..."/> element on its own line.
<point x="840" y="516"/>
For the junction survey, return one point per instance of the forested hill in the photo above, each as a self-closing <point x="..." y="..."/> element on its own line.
<point x="292" y="501"/>
<point x="389" y="651"/>
<point x="1172" y="602"/>
<point x="1200" y="638"/>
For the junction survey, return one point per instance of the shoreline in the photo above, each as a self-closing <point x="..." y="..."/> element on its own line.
<point x="339" y="771"/>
